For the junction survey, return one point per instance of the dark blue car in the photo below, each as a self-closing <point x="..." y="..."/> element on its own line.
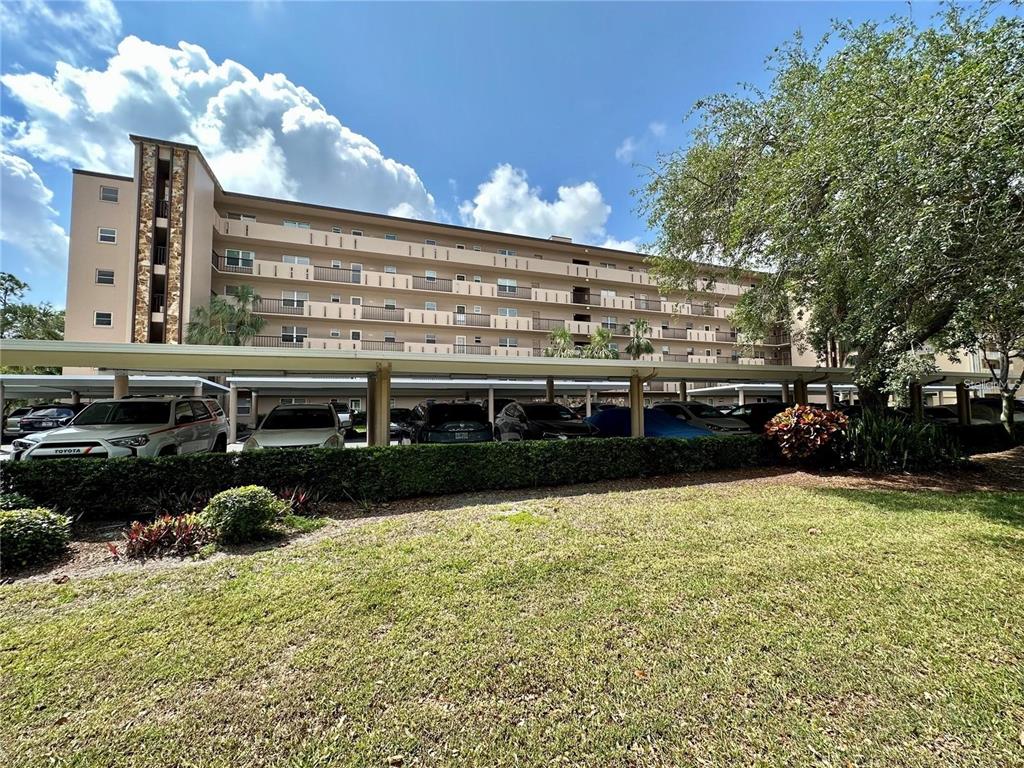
<point x="615" y="422"/>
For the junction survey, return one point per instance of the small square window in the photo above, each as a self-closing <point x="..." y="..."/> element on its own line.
<point x="336" y="230"/>
<point x="357" y="232"/>
<point x="389" y="337"/>
<point x="335" y="333"/>
<point x="104" y="277"/>
<point x="430" y="242"/>
<point x="460" y="247"/>
<point x="356" y="301"/>
<point x="460" y="278"/>
<point x="104" y="319"/>
<point x="335" y="263"/>
<point x="478" y="340"/>
<point x="430" y="305"/>
<point x="109" y="194"/>
<point x="430" y="338"/>
<point x="390" y="270"/>
<point x="477" y="309"/>
<point x="477" y="279"/>
<point x="390" y="236"/>
<point x="355" y="335"/>
<point x="335" y="298"/>
<point x="292" y="224"/>
<point x="107" y="235"/>
<point x="476" y="247"/>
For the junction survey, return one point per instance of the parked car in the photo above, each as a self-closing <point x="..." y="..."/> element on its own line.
<point x="540" y="421"/>
<point x="581" y="410"/>
<point x="356" y="427"/>
<point x="402" y="425"/>
<point x="451" y="423"/>
<point x="616" y="422"/>
<point x="703" y="416"/>
<point x="757" y="415"/>
<point x="137" y="426"/>
<point x="989" y="410"/>
<point x="48" y="417"/>
<point x="12" y="424"/>
<point x="298" y="426"/>
<point x="724" y="409"/>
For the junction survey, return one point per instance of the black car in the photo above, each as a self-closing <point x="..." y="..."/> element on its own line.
<point x="48" y="417"/>
<point x="756" y="415"/>
<point x="581" y="410"/>
<point x="451" y="423"/>
<point x="540" y="421"/>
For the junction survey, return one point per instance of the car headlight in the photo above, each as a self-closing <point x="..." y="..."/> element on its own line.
<point x="331" y="442"/>
<point x="22" y="445"/>
<point x="135" y="441"/>
<point x="251" y="444"/>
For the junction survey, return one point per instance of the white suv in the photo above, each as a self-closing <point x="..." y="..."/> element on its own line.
<point x="134" y="426"/>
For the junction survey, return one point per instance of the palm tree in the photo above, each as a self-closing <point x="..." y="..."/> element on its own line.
<point x="600" y="346"/>
<point x="226" y="321"/>
<point x="560" y="344"/>
<point x="639" y="342"/>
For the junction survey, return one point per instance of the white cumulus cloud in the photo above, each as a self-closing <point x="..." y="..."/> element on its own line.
<point x="66" y="31"/>
<point x="626" y="150"/>
<point x="27" y="220"/>
<point x="262" y="135"/>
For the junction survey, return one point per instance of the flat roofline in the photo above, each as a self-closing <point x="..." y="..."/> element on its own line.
<point x="101" y="174"/>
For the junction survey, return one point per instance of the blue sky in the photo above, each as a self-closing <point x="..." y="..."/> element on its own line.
<point x="521" y="117"/>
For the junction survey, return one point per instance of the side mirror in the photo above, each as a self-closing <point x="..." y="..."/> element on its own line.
<point x="346" y="423"/>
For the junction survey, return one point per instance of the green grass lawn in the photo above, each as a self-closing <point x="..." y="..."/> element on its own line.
<point x="715" y="626"/>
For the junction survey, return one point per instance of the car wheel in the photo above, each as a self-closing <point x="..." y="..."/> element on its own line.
<point x="168" y="450"/>
<point x="220" y="445"/>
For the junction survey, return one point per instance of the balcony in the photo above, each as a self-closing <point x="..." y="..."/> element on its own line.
<point x="471" y="349"/>
<point x="276" y="341"/>
<point x="675" y="358"/>
<point x="674" y="333"/>
<point x="648" y="304"/>
<point x="159" y="254"/>
<point x="338" y="275"/>
<point x="372" y="312"/>
<point x="514" y="292"/>
<point x="725" y="336"/>
<point x="163" y="208"/>
<point x="482" y="321"/>
<point x="547" y="324"/>
<point x="157" y="302"/>
<point x="383" y="346"/>
<point x="281" y="306"/>
<point x="432" y="283"/>
<point x="233" y="266"/>
<point x="704" y="310"/>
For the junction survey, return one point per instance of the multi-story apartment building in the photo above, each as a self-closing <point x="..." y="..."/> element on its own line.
<point x="146" y="251"/>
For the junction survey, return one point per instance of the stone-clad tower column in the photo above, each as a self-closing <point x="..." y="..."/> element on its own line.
<point x="148" y="156"/>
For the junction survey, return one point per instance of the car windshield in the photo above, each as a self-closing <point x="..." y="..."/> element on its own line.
<point x="299" y="418"/>
<point x="702" y="411"/>
<point x="549" y="412"/>
<point x="443" y="412"/>
<point x="52" y="412"/>
<point x="124" y="412"/>
<point x="400" y="414"/>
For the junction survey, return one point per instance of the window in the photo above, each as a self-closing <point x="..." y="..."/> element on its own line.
<point x="240" y="216"/>
<point x="606" y="294"/>
<point x="477" y="309"/>
<point x="107" y="235"/>
<point x="104" y="319"/>
<point x="335" y="298"/>
<point x="357" y="232"/>
<point x="478" y="340"/>
<point x="231" y="290"/>
<point x="390" y="336"/>
<point x="295" y="259"/>
<point x="430" y="338"/>
<point x="293" y="334"/>
<point x="477" y="279"/>
<point x="430" y="274"/>
<point x="390" y="304"/>
<point x="460" y="247"/>
<point x="108" y="194"/>
<point x="506" y="285"/>
<point x="355" y="404"/>
<point x="336" y="263"/>
<point x="355" y="335"/>
<point x="335" y="333"/>
<point x="356" y="301"/>
<point x="292" y="224"/>
<point x="244" y="406"/>
<point x="460" y="278"/>
<point x="508" y="312"/>
<point x="235" y="258"/>
<point x="460" y="309"/>
<point x="390" y="236"/>
<point x="476" y="247"/>
<point x="357" y="272"/>
<point x="608" y="265"/>
<point x="336" y="230"/>
<point x="430" y="242"/>
<point x="430" y="305"/>
<point x="390" y="270"/>
<point x="508" y="341"/>
<point x="506" y="252"/>
<point x="294" y="298"/>
<point x="293" y="401"/>
<point x="104" y="277"/>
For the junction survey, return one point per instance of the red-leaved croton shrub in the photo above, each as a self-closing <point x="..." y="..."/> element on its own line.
<point x="808" y="435"/>
<point x="166" y="535"/>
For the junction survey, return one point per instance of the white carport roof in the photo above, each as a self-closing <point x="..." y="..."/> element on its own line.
<point x="285" y="385"/>
<point x="277" y="361"/>
<point x="31" y="386"/>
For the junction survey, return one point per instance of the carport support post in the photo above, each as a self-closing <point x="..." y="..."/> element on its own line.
<point x="589" y="406"/>
<point x="963" y="405"/>
<point x="549" y="387"/>
<point x="76" y="398"/>
<point x="3" y="407"/>
<point x="197" y="389"/>
<point x="120" y="386"/>
<point x="254" y="408"/>
<point x="785" y="392"/>
<point x="371" y="408"/>
<point x="382" y="430"/>
<point x="636" y="405"/>
<point x="917" y="401"/>
<point x="232" y="414"/>
<point x="682" y="391"/>
<point x="490" y="405"/>
<point x="830" y="397"/>
<point x="741" y="395"/>
<point x="800" y="391"/>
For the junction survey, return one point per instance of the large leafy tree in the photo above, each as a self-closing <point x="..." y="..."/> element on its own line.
<point x="226" y="320"/>
<point x="876" y="182"/>
<point x="24" y="320"/>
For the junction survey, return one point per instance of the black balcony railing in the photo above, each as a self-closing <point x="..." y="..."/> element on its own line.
<point x="432" y="283"/>
<point x="293" y="342"/>
<point x="647" y="303"/>
<point x="234" y="265"/>
<point x="673" y="333"/>
<point x="371" y="312"/>
<point x="163" y="208"/>
<point x="672" y="357"/>
<point x="724" y="336"/>
<point x="727" y="359"/>
<point x="472" y="349"/>
<point x="281" y="306"/>
<point x="338" y="275"/>
<point x="157" y="302"/>
<point x="779" y="339"/>
<point x="514" y="292"/>
<point x="159" y="254"/>
<point x="547" y="324"/>
<point x="384" y="346"/>
<point x="461" y="318"/>
<point x="619" y="329"/>
<point x="580" y="297"/>
<point x="702" y="309"/>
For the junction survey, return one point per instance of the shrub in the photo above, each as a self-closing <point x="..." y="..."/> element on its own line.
<point x="31" y="536"/>
<point x="808" y="435"/>
<point x="121" y="487"/>
<point x="167" y="535"/>
<point x="239" y="515"/>
<point x="882" y="443"/>
<point x="302" y="501"/>
<point x="15" y="501"/>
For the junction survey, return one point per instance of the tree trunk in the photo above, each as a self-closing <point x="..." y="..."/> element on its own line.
<point x="1007" y="415"/>
<point x="872" y="398"/>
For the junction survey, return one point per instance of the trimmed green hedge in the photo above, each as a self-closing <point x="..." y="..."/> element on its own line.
<point x="114" y="488"/>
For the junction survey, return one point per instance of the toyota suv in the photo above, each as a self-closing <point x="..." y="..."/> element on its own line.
<point x="133" y="426"/>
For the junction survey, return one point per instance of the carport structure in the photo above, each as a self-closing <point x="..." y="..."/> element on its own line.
<point x="380" y="367"/>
